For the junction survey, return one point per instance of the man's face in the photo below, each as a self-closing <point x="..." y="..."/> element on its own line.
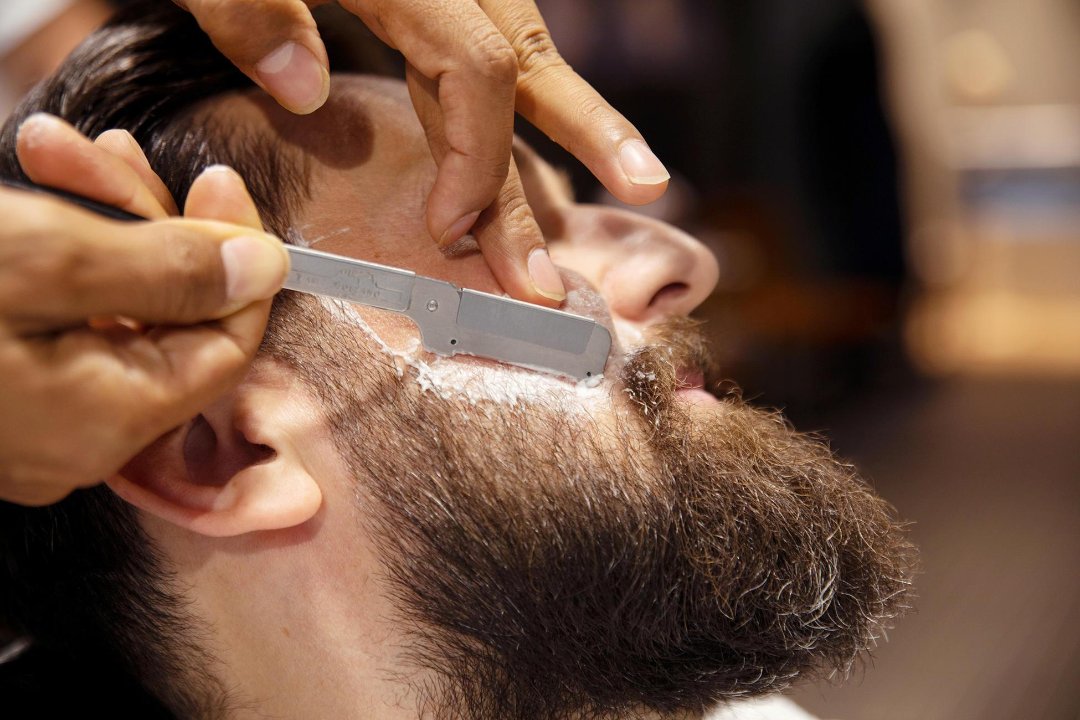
<point x="554" y="549"/>
<point x="373" y="169"/>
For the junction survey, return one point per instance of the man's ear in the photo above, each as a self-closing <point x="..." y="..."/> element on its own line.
<point x="234" y="469"/>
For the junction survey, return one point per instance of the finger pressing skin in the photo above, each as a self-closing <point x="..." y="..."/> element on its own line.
<point x="424" y="94"/>
<point x="60" y="265"/>
<point x="274" y="42"/>
<point x="557" y="100"/>
<point x="123" y="145"/>
<point x="507" y="231"/>
<point x="55" y="154"/>
<point x="469" y="71"/>
<point x="514" y="248"/>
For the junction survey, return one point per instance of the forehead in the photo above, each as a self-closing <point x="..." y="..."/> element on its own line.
<point x="369" y="165"/>
<point x="370" y="171"/>
<point x="359" y="106"/>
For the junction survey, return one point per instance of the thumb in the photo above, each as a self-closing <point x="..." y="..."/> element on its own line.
<point x="64" y="266"/>
<point x="274" y="42"/>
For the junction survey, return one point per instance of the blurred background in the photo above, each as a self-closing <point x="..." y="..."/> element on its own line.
<point x="893" y="190"/>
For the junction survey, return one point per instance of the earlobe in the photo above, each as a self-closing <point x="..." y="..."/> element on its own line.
<point x="213" y="478"/>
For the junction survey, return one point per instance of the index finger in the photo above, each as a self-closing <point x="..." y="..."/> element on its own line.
<point x="514" y="247"/>
<point x="54" y="154"/>
<point x="571" y="112"/>
<point x="273" y="42"/>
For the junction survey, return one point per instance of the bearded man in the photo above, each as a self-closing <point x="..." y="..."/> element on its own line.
<point x="364" y="530"/>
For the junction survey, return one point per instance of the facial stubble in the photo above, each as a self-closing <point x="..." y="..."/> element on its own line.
<point x="548" y="564"/>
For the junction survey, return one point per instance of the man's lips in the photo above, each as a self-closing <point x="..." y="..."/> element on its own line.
<point x="690" y="378"/>
<point x="690" y="387"/>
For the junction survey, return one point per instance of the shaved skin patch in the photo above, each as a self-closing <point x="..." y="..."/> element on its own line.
<point x="474" y="380"/>
<point x="465" y="377"/>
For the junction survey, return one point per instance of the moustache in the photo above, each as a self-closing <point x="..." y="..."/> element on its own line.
<point x="676" y="355"/>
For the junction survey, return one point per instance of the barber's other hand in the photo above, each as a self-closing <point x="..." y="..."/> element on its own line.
<point x="470" y="63"/>
<point x="113" y="333"/>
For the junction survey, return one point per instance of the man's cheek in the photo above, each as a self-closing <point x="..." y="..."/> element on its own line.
<point x="389" y="332"/>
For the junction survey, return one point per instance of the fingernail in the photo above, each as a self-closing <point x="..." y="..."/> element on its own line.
<point x="640" y="165"/>
<point x="218" y="168"/>
<point x="545" y="277"/>
<point x="132" y="142"/>
<point x="40" y="118"/>
<point x="455" y="231"/>
<point x="295" y="77"/>
<point x="36" y="124"/>
<point x="255" y="268"/>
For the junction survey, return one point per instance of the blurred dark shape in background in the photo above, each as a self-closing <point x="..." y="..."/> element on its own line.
<point x="770" y="116"/>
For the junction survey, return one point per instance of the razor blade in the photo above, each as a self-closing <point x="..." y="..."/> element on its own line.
<point x="458" y="321"/>
<point x="451" y="320"/>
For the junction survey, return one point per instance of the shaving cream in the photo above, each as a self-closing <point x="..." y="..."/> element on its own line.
<point x="474" y="380"/>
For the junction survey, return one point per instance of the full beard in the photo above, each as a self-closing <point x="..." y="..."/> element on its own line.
<point x="663" y="558"/>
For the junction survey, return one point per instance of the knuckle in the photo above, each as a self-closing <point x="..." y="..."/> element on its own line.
<point x="192" y="274"/>
<point x="593" y="110"/>
<point x="535" y="50"/>
<point x="497" y="169"/>
<point x="494" y="59"/>
<point x="517" y="213"/>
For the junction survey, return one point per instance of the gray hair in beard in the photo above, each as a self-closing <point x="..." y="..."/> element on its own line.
<point x="545" y="567"/>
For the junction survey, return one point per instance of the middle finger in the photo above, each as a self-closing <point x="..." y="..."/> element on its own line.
<point x="472" y="73"/>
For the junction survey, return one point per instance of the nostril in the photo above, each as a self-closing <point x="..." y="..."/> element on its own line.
<point x="668" y="293"/>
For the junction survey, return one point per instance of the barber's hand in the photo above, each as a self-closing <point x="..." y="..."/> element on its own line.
<point x="470" y="63"/>
<point x="113" y="333"/>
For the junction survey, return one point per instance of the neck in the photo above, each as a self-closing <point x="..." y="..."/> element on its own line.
<point x="299" y="625"/>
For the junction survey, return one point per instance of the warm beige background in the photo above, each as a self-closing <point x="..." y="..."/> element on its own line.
<point x="978" y="85"/>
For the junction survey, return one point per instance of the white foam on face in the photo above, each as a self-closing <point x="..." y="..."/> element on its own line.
<point x="586" y="302"/>
<point x="474" y="380"/>
<point x="345" y="312"/>
<point x="467" y="378"/>
<point x="296" y="236"/>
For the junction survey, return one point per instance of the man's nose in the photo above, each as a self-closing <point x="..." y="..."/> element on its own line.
<point x="647" y="270"/>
